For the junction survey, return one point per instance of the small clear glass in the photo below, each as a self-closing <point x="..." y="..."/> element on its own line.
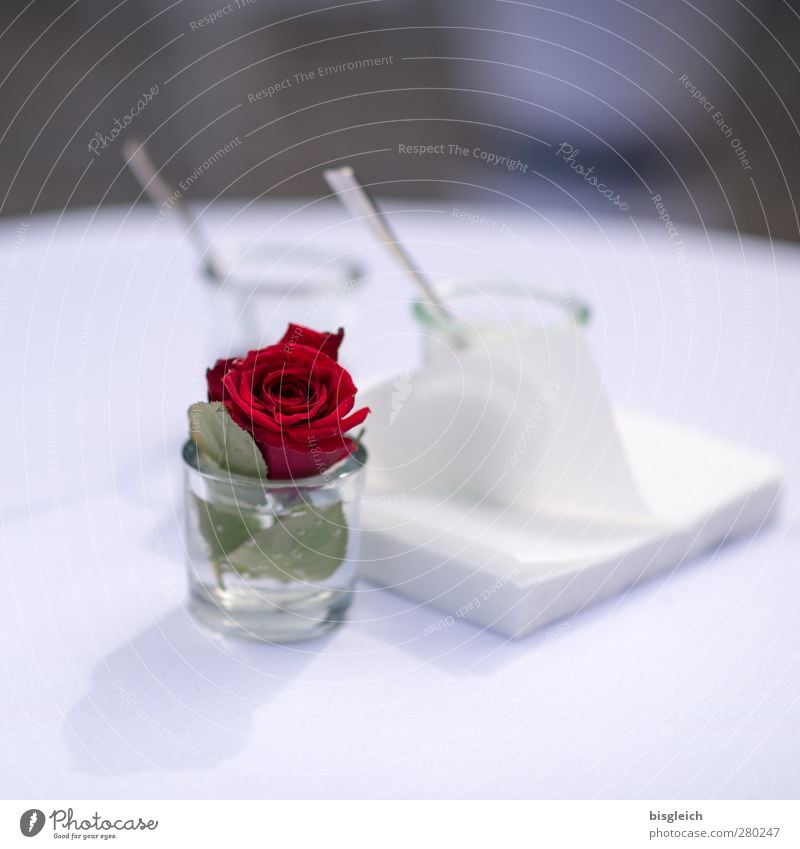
<point x="266" y="286"/>
<point x="492" y="312"/>
<point x="273" y="560"/>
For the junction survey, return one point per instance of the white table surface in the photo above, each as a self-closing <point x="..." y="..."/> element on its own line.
<point x="686" y="687"/>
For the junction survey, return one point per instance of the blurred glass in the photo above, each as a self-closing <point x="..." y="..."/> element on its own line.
<point x="265" y="287"/>
<point x="488" y="313"/>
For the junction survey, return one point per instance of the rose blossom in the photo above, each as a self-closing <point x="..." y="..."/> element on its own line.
<point x="294" y="398"/>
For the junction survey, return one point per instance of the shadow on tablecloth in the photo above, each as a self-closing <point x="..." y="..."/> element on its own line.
<point x="175" y="697"/>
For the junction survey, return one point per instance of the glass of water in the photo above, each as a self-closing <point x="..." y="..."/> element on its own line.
<point x="263" y="287"/>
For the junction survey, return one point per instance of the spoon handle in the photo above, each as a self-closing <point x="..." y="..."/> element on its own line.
<point x="360" y="204"/>
<point x="161" y="194"/>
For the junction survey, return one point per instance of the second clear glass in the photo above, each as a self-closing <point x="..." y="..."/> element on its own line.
<point x="491" y="313"/>
<point x="266" y="286"/>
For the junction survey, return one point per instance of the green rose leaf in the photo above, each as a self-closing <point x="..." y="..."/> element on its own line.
<point x="224" y="527"/>
<point x="222" y="442"/>
<point x="307" y="545"/>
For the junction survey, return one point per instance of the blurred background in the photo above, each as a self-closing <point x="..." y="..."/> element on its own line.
<point x="695" y="102"/>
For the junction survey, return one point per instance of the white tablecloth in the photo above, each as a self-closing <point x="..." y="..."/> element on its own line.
<point x="685" y="687"/>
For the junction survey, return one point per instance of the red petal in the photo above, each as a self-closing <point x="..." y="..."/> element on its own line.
<point x="287" y="462"/>
<point x="328" y="343"/>
<point x="214" y="377"/>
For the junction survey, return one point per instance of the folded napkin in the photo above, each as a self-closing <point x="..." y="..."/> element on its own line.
<point x="524" y="426"/>
<point x="504" y="489"/>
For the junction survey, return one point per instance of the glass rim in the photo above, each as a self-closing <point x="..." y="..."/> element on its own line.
<point x="575" y="311"/>
<point x="349" y="270"/>
<point x="350" y="465"/>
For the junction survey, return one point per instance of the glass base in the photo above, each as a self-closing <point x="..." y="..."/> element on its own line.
<point x="275" y="618"/>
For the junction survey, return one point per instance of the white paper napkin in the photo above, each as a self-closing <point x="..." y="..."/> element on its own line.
<point x="521" y="429"/>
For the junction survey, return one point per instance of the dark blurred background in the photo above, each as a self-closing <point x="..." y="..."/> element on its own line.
<point x="697" y="102"/>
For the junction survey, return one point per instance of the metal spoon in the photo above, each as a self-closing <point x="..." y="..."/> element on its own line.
<point x="360" y="204"/>
<point x="161" y="193"/>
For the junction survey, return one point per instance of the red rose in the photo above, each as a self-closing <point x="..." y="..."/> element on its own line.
<point x="295" y="400"/>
